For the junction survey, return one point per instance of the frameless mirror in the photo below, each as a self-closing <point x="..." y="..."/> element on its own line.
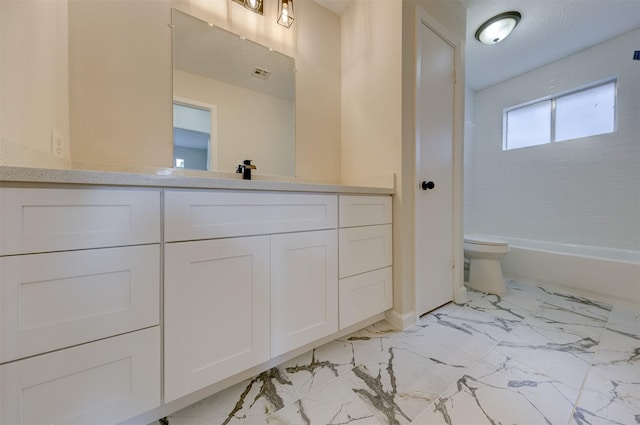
<point x="233" y="100"/>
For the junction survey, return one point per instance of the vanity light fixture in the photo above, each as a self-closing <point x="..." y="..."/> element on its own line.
<point x="285" y="13"/>
<point x="498" y="28"/>
<point x="253" y="5"/>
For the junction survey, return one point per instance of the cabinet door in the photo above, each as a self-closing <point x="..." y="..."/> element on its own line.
<point x="103" y="382"/>
<point x="216" y="311"/>
<point x="304" y="288"/>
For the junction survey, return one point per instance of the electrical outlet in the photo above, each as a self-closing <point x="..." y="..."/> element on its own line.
<point x="57" y="143"/>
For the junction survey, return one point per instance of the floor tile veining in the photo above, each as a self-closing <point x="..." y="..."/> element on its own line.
<point x="531" y="356"/>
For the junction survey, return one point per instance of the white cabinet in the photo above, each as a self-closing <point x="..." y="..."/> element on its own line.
<point x="79" y="304"/>
<point x="216" y="311"/>
<point x="365" y="252"/>
<point x="238" y="289"/>
<point x="248" y="276"/>
<point x="304" y="289"/>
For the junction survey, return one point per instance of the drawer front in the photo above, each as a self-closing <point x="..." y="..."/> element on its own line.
<point x="43" y="220"/>
<point x="104" y="382"/>
<point x="191" y="215"/>
<point x="364" y="210"/>
<point x="365" y="295"/>
<point x="55" y="300"/>
<point x="363" y="249"/>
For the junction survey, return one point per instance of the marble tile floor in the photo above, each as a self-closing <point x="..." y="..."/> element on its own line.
<point x="531" y="356"/>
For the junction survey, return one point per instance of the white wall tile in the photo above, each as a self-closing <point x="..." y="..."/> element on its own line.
<point x="583" y="191"/>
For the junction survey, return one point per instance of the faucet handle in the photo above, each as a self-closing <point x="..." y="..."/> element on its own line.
<point x="245" y="168"/>
<point x="247" y="164"/>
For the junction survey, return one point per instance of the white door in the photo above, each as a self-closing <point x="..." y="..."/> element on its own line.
<point x="434" y="170"/>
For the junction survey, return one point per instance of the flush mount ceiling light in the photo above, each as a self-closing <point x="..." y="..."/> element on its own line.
<point x="285" y="13"/>
<point x="497" y="28"/>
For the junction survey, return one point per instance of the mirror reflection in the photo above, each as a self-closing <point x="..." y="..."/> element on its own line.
<point x="233" y="100"/>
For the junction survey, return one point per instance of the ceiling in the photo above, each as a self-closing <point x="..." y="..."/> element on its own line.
<point x="549" y="30"/>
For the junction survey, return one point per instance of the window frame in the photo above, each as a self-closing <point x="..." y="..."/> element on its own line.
<point x="552" y="99"/>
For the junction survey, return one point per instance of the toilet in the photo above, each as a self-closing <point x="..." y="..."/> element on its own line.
<point x="484" y="254"/>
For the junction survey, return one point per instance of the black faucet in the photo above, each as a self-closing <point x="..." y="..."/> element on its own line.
<point x="245" y="168"/>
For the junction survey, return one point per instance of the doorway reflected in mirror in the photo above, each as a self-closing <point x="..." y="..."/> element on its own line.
<point x="193" y="127"/>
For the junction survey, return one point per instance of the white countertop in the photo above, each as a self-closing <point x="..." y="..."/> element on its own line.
<point x="170" y="178"/>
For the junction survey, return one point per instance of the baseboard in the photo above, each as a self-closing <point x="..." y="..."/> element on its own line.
<point x="460" y="295"/>
<point x="401" y="321"/>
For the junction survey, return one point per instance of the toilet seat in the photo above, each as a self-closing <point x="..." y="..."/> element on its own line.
<point x="484" y="240"/>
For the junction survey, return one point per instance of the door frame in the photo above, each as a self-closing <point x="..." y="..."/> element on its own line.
<point x="212" y="150"/>
<point x="423" y="18"/>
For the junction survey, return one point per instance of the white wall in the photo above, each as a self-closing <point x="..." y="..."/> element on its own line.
<point x="469" y="156"/>
<point x="113" y="105"/>
<point x="33" y="78"/>
<point x="120" y="82"/>
<point x="266" y="141"/>
<point x="371" y="89"/>
<point x="318" y="88"/>
<point x="584" y="191"/>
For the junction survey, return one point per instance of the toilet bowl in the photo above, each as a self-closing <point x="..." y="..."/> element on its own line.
<point x="484" y="254"/>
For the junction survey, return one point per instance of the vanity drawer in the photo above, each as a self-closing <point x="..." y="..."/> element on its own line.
<point x="42" y="220"/>
<point x="363" y="249"/>
<point x="192" y="215"/>
<point x="365" y="295"/>
<point x="104" y="382"/>
<point x="364" y="210"/>
<point x="55" y="300"/>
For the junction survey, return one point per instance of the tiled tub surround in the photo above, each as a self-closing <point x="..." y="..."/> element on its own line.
<point x="531" y="356"/>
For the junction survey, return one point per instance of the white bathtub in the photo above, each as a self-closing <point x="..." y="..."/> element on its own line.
<point x="604" y="273"/>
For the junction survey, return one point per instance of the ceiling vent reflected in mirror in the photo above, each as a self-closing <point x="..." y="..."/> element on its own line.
<point x="261" y="73"/>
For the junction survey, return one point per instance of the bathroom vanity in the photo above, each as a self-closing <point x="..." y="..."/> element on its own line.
<point x="126" y="297"/>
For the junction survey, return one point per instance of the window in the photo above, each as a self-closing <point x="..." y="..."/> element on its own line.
<point x="529" y="125"/>
<point x="581" y="113"/>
